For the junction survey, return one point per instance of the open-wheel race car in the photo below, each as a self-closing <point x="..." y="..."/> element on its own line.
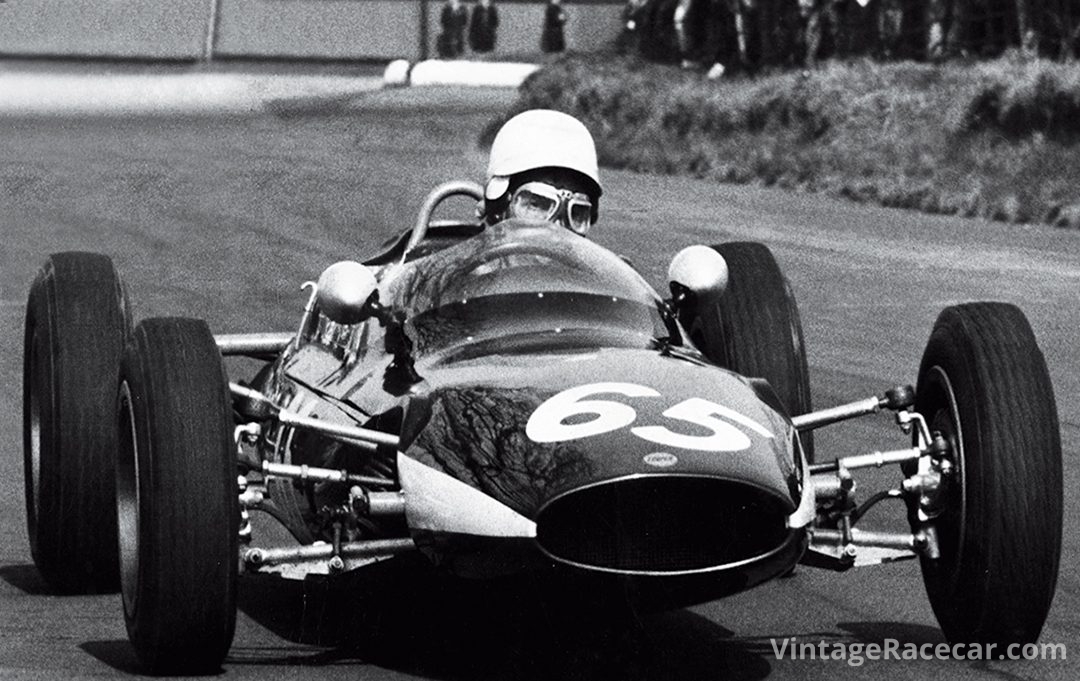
<point x="517" y="400"/>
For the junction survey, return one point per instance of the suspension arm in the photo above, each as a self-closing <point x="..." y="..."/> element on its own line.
<point x="896" y="399"/>
<point x="359" y="549"/>
<point x="252" y="343"/>
<point x="353" y="434"/>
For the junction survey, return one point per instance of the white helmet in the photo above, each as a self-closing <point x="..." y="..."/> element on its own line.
<point x="540" y="138"/>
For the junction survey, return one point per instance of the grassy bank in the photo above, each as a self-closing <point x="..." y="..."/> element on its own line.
<point x="997" y="139"/>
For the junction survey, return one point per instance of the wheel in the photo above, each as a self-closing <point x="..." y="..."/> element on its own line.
<point x="754" y="329"/>
<point x="983" y="385"/>
<point x="77" y="321"/>
<point x="177" y="498"/>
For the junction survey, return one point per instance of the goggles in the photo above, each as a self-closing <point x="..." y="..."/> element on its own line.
<point x="541" y="201"/>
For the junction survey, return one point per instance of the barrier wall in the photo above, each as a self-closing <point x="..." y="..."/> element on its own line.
<point x="159" y="29"/>
<point x="288" y="29"/>
<point x="322" y="29"/>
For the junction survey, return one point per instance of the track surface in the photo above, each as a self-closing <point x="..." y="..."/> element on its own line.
<point x="224" y="218"/>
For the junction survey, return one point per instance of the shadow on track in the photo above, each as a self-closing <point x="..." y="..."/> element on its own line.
<point x="117" y="654"/>
<point x="400" y="616"/>
<point x="904" y="632"/>
<point x="25" y="578"/>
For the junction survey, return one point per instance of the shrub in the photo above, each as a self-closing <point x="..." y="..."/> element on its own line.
<point x="1021" y="99"/>
<point x="996" y="139"/>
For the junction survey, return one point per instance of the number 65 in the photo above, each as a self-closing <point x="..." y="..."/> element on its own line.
<point x="548" y="422"/>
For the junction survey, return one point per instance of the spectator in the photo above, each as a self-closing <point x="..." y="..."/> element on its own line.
<point x="723" y="37"/>
<point x="856" y="30"/>
<point x="658" y="41"/>
<point x="634" y="21"/>
<point x="451" y="41"/>
<point x="821" y="24"/>
<point x="697" y="24"/>
<point x="682" y="32"/>
<point x="552" y="38"/>
<point x="482" y="26"/>
<point x="890" y="20"/>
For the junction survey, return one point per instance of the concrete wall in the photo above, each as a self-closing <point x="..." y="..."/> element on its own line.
<point x="306" y="29"/>
<point x="161" y="29"/>
<point x="326" y="29"/>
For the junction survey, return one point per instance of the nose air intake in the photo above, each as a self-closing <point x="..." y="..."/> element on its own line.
<point x="662" y="525"/>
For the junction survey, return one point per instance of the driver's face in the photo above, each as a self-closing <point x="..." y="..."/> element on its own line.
<point x="558" y="197"/>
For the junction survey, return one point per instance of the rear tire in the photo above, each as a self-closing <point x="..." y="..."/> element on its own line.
<point x="754" y="328"/>
<point x="177" y="498"/>
<point x="77" y="321"/>
<point x="983" y="384"/>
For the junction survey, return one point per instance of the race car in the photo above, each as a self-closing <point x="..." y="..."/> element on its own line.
<point x="517" y="400"/>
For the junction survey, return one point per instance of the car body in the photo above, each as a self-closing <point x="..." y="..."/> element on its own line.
<point x="515" y="399"/>
<point x="513" y="333"/>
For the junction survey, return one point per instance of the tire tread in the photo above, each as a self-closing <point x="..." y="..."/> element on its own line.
<point x="77" y="310"/>
<point x="186" y="607"/>
<point x="1001" y="588"/>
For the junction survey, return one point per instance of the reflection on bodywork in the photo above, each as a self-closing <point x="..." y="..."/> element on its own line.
<point x="475" y="434"/>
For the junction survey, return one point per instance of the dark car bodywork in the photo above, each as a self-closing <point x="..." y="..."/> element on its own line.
<point x="552" y="416"/>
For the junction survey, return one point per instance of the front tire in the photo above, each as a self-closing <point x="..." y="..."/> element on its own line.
<point x="177" y="498"/>
<point x="754" y="328"/>
<point x="77" y="321"/>
<point x="983" y="384"/>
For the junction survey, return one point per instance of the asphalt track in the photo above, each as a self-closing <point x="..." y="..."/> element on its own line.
<point x="223" y="217"/>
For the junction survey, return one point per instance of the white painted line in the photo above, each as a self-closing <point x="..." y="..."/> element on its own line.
<point x="37" y="93"/>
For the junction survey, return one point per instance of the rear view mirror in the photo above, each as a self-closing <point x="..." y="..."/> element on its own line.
<point x="699" y="270"/>
<point x="344" y="290"/>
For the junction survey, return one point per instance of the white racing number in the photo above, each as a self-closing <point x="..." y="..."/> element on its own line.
<point x="549" y="422"/>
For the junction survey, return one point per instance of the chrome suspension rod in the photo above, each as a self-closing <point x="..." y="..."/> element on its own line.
<point x="824" y="417"/>
<point x="252" y="343"/>
<point x="290" y="418"/>
<point x="358" y="549"/>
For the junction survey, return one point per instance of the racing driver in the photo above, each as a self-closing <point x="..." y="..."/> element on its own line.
<point x="543" y="166"/>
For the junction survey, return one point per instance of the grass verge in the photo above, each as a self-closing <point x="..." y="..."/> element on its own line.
<point x="999" y="139"/>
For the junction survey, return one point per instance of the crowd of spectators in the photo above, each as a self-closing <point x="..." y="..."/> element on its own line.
<point x="481" y="25"/>
<point x="725" y="36"/>
<point x="747" y="35"/>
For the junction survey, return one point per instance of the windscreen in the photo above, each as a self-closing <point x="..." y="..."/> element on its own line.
<point x="528" y="284"/>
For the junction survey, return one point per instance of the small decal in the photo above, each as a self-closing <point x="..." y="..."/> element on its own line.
<point x="661" y="459"/>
